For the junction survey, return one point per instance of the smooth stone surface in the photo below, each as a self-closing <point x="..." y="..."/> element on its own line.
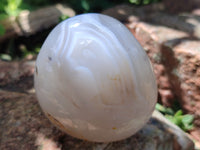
<point x="93" y="79"/>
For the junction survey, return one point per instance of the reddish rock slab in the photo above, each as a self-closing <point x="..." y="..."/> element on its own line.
<point x="172" y="43"/>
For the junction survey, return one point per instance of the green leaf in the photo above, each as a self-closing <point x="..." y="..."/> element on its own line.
<point x="12" y="7"/>
<point x="133" y="1"/>
<point x="187" y="127"/>
<point x="178" y="120"/>
<point x="160" y="108"/>
<point x="146" y="1"/>
<point x="164" y="110"/>
<point x="63" y="17"/>
<point x="37" y="50"/>
<point x="170" y="118"/>
<point x="179" y="113"/>
<point x="169" y="111"/>
<point x="85" y="5"/>
<point x="183" y="121"/>
<point x="187" y="119"/>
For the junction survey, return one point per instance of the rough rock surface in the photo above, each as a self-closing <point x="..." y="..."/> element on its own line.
<point x="173" y="45"/>
<point x="24" y="126"/>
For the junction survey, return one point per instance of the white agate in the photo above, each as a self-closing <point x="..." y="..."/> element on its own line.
<point x="93" y="79"/>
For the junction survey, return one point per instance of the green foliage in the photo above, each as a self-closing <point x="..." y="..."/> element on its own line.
<point x="164" y="110"/>
<point x="2" y="30"/>
<point x="26" y="52"/>
<point x="63" y="17"/>
<point x="12" y="7"/>
<point x="85" y="4"/>
<point x="185" y="122"/>
<point x="3" y="3"/>
<point x="8" y="8"/>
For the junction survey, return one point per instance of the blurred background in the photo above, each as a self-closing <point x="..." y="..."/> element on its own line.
<point x="17" y="48"/>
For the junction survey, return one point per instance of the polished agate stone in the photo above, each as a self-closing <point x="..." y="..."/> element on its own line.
<point x="93" y="79"/>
